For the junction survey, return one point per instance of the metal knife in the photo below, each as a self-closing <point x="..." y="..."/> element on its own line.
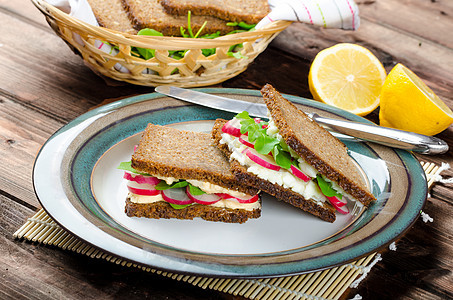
<point x="368" y="132"/>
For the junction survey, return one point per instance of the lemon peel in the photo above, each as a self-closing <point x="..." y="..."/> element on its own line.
<point x="407" y="103"/>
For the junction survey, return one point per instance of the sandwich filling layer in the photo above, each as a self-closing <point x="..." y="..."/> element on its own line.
<point x="223" y="203"/>
<point x="148" y="189"/>
<point x="277" y="163"/>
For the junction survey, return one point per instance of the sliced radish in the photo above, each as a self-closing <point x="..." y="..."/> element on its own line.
<point x="176" y="196"/>
<point x="257" y="120"/>
<point x="243" y="139"/>
<point x="205" y="199"/>
<point x="337" y="202"/>
<point x="266" y="161"/>
<point x="299" y="174"/>
<point x="232" y="127"/>
<point x="141" y="178"/>
<point x="243" y="200"/>
<point x="339" y="205"/>
<point x="144" y="189"/>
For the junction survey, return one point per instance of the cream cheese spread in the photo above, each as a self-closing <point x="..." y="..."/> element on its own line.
<point x="309" y="190"/>
<point x="210" y="188"/>
<point x="144" y="199"/>
<point x="232" y="204"/>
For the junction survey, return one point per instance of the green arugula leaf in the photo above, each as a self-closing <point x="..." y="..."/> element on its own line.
<point x="282" y="158"/>
<point x="236" y="55"/>
<point x="255" y="133"/>
<point x="241" y="25"/>
<point x="265" y="144"/>
<point x="211" y="35"/>
<point x="164" y="186"/>
<point x="208" y="52"/>
<point x="127" y="166"/>
<point x="247" y="125"/>
<point x="147" y="53"/>
<point x="196" y="191"/>
<point x="177" y="206"/>
<point x="284" y="146"/>
<point x="326" y="187"/>
<point x="243" y="115"/>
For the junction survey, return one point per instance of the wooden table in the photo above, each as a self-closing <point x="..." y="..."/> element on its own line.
<point x="43" y="86"/>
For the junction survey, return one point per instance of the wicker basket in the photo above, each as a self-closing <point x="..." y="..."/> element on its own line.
<point x="94" y="44"/>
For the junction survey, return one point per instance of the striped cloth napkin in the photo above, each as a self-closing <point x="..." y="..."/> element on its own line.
<point x="342" y="14"/>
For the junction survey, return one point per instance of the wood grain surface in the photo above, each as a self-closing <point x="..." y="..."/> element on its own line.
<point x="44" y="85"/>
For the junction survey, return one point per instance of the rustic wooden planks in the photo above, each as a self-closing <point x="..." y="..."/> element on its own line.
<point x="44" y="85"/>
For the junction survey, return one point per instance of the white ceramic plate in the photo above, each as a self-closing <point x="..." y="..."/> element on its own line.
<point x="77" y="182"/>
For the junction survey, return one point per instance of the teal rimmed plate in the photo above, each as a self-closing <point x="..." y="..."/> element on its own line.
<point x="77" y="183"/>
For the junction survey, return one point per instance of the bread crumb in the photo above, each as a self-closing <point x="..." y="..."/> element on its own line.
<point x="426" y="217"/>
<point x="392" y="246"/>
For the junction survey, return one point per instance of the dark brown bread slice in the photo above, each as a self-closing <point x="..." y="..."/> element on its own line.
<point x="325" y="212"/>
<point x="163" y="210"/>
<point x="250" y="12"/>
<point x="111" y="14"/>
<point x="316" y="145"/>
<point x="150" y="14"/>
<point x="169" y="152"/>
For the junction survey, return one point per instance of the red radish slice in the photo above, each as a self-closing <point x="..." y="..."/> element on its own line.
<point x="205" y="199"/>
<point x="141" y="178"/>
<point x="232" y="127"/>
<point x="339" y="205"/>
<point x="337" y="202"/>
<point x="266" y="161"/>
<point x="135" y="147"/>
<point x="257" y="120"/>
<point x="176" y="196"/>
<point x="299" y="174"/>
<point x="242" y="200"/>
<point x="244" y="140"/>
<point x="143" y="189"/>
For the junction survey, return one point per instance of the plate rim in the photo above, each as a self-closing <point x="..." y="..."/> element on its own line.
<point x="150" y="96"/>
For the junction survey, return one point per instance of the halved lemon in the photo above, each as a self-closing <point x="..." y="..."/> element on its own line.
<point x="347" y="76"/>
<point x="407" y="103"/>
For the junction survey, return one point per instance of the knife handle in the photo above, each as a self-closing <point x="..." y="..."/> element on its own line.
<point x="386" y="136"/>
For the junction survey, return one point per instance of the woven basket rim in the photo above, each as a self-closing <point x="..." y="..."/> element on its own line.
<point x="157" y="42"/>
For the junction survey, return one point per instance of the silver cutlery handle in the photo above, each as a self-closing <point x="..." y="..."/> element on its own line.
<point x="386" y="136"/>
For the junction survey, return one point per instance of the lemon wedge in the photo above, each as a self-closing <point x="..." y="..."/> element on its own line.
<point x="347" y="76"/>
<point x="407" y="103"/>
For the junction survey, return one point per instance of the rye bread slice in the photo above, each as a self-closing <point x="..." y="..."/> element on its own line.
<point x="169" y="152"/>
<point x="316" y="145"/>
<point x="161" y="209"/>
<point x="150" y="14"/>
<point x="111" y="14"/>
<point x="325" y="212"/>
<point x="250" y="12"/>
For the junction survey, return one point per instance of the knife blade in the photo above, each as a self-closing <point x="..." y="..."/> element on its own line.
<point x="368" y="132"/>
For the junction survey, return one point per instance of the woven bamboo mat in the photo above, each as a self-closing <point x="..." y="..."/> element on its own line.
<point x="327" y="284"/>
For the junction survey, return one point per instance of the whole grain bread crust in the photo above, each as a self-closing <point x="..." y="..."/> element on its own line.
<point x="250" y="12"/>
<point x="112" y="15"/>
<point x="163" y="210"/>
<point x="151" y="14"/>
<point x="325" y="212"/>
<point x="316" y="145"/>
<point x="168" y="152"/>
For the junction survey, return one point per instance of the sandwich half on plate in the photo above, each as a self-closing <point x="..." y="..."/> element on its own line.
<point x="292" y="158"/>
<point x="182" y="174"/>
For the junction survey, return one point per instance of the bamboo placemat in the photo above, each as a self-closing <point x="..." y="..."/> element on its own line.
<point x="327" y="284"/>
